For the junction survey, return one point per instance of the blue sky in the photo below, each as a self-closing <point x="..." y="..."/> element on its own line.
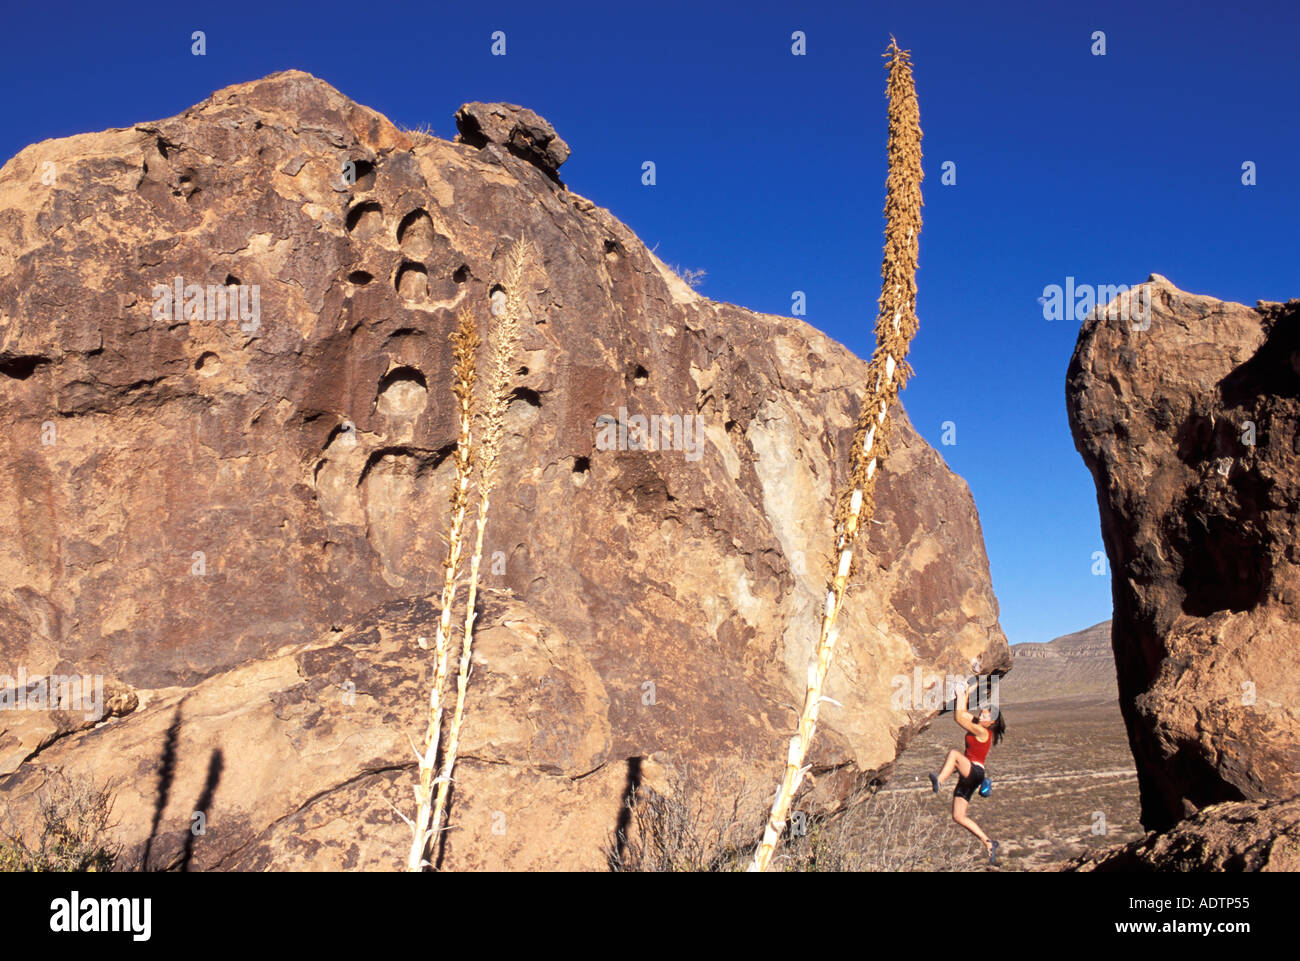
<point x="771" y="173"/>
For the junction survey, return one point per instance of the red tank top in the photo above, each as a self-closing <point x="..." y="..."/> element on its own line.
<point x="976" y="751"/>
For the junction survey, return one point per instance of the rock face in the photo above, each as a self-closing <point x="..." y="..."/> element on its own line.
<point x="1191" y="428"/>
<point x="237" y="518"/>
<point x="517" y="129"/>
<point x="1232" y="836"/>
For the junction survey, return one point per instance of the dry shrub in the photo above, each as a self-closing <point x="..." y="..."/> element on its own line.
<point x="880" y="831"/>
<point x="72" y="833"/>
<point x="421" y="131"/>
<point x="692" y="278"/>
<point x="709" y="822"/>
<point x="698" y="822"/>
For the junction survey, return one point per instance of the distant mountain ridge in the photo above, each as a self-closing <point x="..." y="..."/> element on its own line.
<point x="1078" y="665"/>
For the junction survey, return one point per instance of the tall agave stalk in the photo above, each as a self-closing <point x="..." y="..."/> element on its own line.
<point x="505" y="336"/>
<point x="465" y="342"/>
<point x="896" y="324"/>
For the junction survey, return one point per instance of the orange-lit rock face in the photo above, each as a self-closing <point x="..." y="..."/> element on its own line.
<point x="1188" y="422"/>
<point x="237" y="520"/>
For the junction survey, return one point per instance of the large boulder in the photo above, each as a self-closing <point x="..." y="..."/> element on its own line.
<point x="237" y="521"/>
<point x="1189" y="420"/>
<point x="517" y="129"/>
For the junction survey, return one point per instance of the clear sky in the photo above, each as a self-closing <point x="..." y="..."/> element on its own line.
<point x="771" y="167"/>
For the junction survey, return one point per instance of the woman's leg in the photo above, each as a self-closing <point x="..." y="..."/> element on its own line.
<point x="959" y="815"/>
<point x="957" y="760"/>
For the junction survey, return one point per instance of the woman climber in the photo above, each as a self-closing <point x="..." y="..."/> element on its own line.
<point x="982" y="732"/>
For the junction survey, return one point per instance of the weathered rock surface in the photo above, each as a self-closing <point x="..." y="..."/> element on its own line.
<point x="1231" y="836"/>
<point x="237" y="522"/>
<point x="1191" y="428"/>
<point x="516" y="128"/>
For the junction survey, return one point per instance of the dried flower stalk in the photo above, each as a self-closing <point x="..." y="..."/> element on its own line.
<point x="505" y="337"/>
<point x="465" y="343"/>
<point x="888" y="372"/>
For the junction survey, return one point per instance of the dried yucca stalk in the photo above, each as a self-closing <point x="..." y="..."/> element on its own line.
<point x="465" y="341"/>
<point x="504" y="345"/>
<point x="888" y="371"/>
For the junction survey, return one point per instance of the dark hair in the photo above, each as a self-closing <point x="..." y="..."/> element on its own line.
<point x="999" y="726"/>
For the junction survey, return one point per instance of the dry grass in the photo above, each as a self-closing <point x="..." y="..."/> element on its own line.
<point x="692" y="278"/>
<point x="880" y="831"/>
<point x="421" y="131"/>
<point x="698" y="822"/>
<point x="74" y="822"/>
<point x="702" y="820"/>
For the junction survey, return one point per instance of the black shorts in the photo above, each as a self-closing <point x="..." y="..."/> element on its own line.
<point x="968" y="785"/>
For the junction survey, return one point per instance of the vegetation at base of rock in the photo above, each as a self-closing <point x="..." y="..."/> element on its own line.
<point x="74" y="822"/>
<point x="880" y="831"/>
<point x="697" y="822"/>
<point x="702" y="822"/>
